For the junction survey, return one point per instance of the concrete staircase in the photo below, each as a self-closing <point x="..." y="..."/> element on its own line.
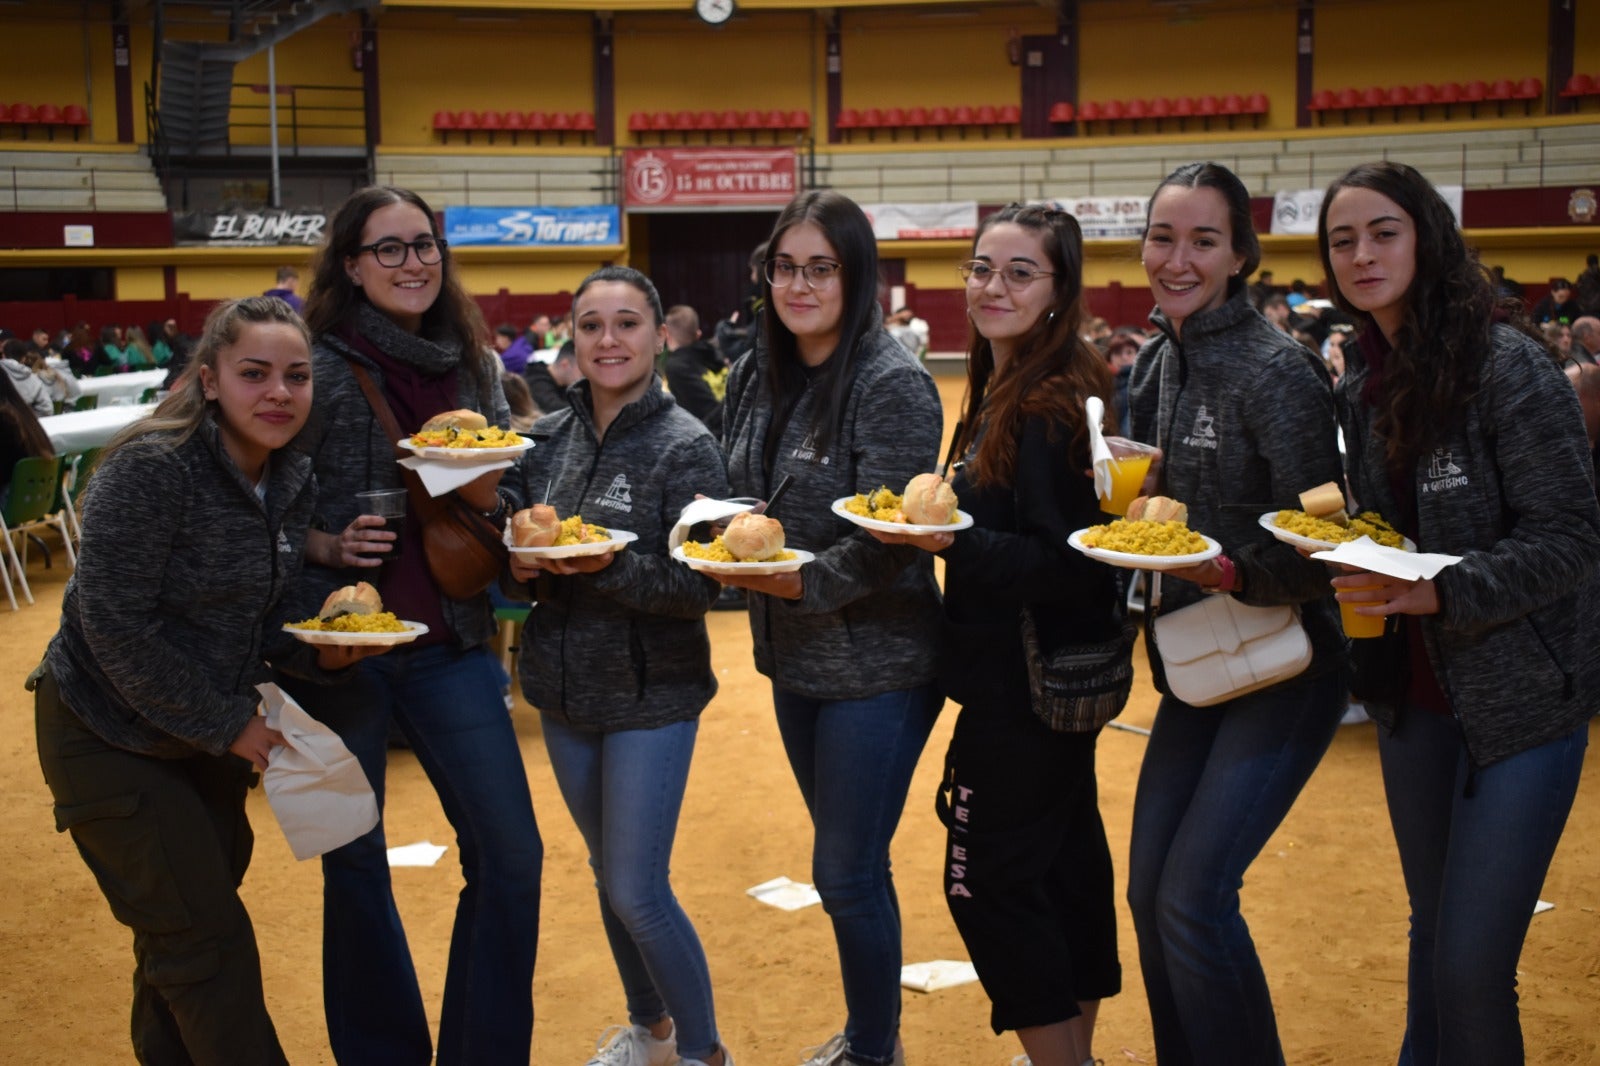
<point x="78" y="181"/>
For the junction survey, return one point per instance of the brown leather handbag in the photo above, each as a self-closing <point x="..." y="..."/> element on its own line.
<point x="465" y="552"/>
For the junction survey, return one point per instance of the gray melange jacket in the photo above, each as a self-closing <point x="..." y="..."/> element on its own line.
<point x="180" y="569"/>
<point x="1249" y="425"/>
<point x="348" y="446"/>
<point x="1510" y="491"/>
<point x="869" y="619"/>
<point x="624" y="648"/>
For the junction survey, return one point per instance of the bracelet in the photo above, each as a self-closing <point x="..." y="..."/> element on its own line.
<point x="501" y="506"/>
<point x="1230" y="575"/>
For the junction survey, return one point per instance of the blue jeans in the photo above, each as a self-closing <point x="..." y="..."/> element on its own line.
<point x="853" y="760"/>
<point x="448" y="704"/>
<point x="1473" y="867"/>
<point x="1215" y="784"/>
<point x="625" y="790"/>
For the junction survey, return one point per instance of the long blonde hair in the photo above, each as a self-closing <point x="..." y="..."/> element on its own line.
<point x="180" y="414"/>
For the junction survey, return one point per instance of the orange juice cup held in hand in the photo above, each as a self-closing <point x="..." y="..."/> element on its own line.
<point x="1358" y="626"/>
<point x="1130" y="465"/>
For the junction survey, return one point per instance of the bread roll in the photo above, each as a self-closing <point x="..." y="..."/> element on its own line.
<point x="536" y="527"/>
<point x="1326" y="501"/>
<point x="360" y="598"/>
<point x="462" y="419"/>
<point x="753" y="537"/>
<point x="1157" y="509"/>
<point x="928" y="501"/>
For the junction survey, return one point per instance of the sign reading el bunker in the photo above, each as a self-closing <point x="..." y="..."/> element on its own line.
<point x="527" y="227"/>
<point x="664" y="178"/>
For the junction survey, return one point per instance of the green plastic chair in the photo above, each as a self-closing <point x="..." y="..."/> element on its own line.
<point x="510" y="618"/>
<point x="87" y="402"/>
<point x="34" y="485"/>
<point x="148" y="396"/>
<point x="75" y="470"/>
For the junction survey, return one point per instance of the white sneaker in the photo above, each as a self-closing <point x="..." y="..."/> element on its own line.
<point x="1022" y="1060"/>
<point x="632" y="1045"/>
<point x="832" y="1053"/>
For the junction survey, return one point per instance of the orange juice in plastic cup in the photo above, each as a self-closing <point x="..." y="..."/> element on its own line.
<point x="1130" y="464"/>
<point x="1360" y="625"/>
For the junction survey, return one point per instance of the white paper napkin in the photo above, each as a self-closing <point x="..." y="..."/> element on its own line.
<point x="1094" y="409"/>
<point x="705" y="510"/>
<point x="315" y="786"/>
<point x="440" y="476"/>
<point x="785" y="894"/>
<point x="1366" y="554"/>
<point x="940" y="973"/>
<point x="420" y="854"/>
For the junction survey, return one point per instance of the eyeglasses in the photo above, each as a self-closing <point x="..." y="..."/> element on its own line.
<point x="1015" y="275"/>
<point x="392" y="253"/>
<point x="819" y="273"/>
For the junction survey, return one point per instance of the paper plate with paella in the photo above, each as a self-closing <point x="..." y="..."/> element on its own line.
<point x="354" y="615"/>
<point x="540" y="533"/>
<point x="1153" y="536"/>
<point x="928" y="505"/>
<point x="465" y="436"/>
<point x="750" y="544"/>
<point x="1321" y="523"/>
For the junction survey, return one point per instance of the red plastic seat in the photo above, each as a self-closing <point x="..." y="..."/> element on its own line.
<point x="514" y="122"/>
<point x="1474" y="93"/>
<point x="1160" y="110"/>
<point x="961" y="117"/>
<point x="444" y="122"/>
<point x="1528" y="91"/>
<point x="776" y="121"/>
<point x="491" y="122"/>
<point x="469" y="122"/>
<point x="561" y="123"/>
<point x="1182" y="109"/>
<point x="582" y="124"/>
<point x="1138" y="111"/>
<point x="1578" y="85"/>
<point x="917" y="120"/>
<point x="1113" y="111"/>
<point x="872" y="121"/>
<point x="1321" y="100"/>
<point x="1395" y="97"/>
<point x="1011" y="115"/>
<point x="1502" y="90"/>
<point x="1231" y="106"/>
<point x="984" y="117"/>
<point x="894" y="120"/>
<point x="1207" y="108"/>
<point x="1090" y="112"/>
<point x="847" y="120"/>
<point x="799" y="121"/>
<point x="1061" y="113"/>
<point x="639" y="123"/>
<point x="660" y="122"/>
<point x="939" y="118"/>
<point x="751" y="121"/>
<point x="76" y="116"/>
<point x="49" y="116"/>
<point x="728" y="122"/>
<point x="1346" y="101"/>
<point x="705" y="122"/>
<point x="683" y="123"/>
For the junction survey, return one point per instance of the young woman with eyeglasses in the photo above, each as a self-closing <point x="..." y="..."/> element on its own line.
<point x="849" y="640"/>
<point x="385" y="302"/>
<point x="1462" y="432"/>
<point x="1027" y="867"/>
<point x="1244" y="416"/>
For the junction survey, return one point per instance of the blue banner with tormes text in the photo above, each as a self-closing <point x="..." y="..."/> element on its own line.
<point x="531" y="227"/>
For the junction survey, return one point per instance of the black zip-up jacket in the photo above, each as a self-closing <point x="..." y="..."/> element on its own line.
<point x="868" y="621"/>
<point x="180" y="570"/>
<point x="1510" y="490"/>
<point x="626" y="647"/>
<point x="1248" y="425"/>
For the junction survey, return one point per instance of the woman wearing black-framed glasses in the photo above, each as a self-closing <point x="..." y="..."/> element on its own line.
<point x="385" y="303"/>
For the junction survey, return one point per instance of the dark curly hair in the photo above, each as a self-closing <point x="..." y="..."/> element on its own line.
<point x="1444" y="336"/>
<point x="1054" y="369"/>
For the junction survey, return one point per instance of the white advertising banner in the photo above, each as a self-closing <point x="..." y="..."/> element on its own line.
<point x="1106" y="217"/>
<point x="914" y="222"/>
<point x="1295" y="210"/>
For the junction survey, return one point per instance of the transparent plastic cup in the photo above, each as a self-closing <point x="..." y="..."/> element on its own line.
<point x="1130" y="464"/>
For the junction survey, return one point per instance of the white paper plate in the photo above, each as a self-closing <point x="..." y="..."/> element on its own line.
<point x="467" y="455"/>
<point x="1268" y="523"/>
<point x="1130" y="561"/>
<point x="412" y="631"/>
<point x="800" y="559"/>
<point x="963" y="521"/>
<point x="619" y="539"/>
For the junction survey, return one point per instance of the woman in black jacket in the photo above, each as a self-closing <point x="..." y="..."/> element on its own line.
<point x="1461" y="431"/>
<point x="1027" y="870"/>
<point x="147" y="717"/>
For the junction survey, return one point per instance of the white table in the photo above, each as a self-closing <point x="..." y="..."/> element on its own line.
<point x="78" y="431"/>
<point x="131" y="385"/>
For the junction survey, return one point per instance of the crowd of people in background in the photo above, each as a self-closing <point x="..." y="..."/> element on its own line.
<point x="1456" y="427"/>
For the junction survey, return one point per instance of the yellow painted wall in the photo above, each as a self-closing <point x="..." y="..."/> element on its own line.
<point x="677" y="63"/>
<point x="934" y="58"/>
<point x="1129" y="51"/>
<point x="44" y="54"/>
<point x="318" y="55"/>
<point x="1378" y="42"/>
<point x="140" y="283"/>
<point x="443" y="62"/>
<point x="486" y="279"/>
<point x="1586" y="40"/>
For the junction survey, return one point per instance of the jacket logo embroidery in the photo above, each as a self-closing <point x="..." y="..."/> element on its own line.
<point x="1443" y="473"/>
<point x="617" y="496"/>
<point x="807" y="452"/>
<point x="283" y="543"/>
<point x="1204" y="434"/>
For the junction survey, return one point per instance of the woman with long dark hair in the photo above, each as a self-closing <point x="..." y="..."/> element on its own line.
<point x="1461" y="430"/>
<point x="146" y="713"/>
<point x="386" y="305"/>
<point x="1244" y="416"/>
<point x="1028" y="870"/>
<point x="849" y="641"/>
<point x="21" y="435"/>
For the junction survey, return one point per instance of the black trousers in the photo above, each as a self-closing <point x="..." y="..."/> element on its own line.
<point x="1028" y="871"/>
<point x="169" y="842"/>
